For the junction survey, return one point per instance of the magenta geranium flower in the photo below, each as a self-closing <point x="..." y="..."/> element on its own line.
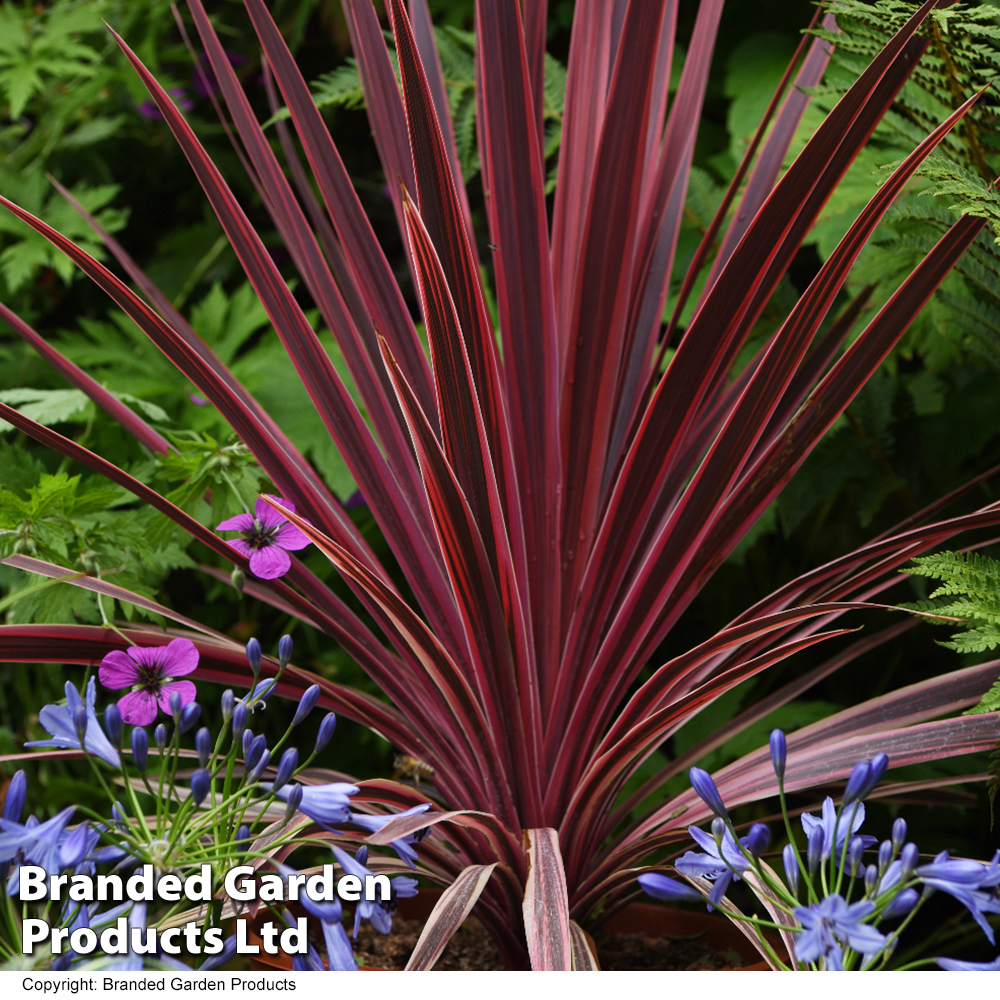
<point x="151" y="672"/>
<point x="266" y="540"/>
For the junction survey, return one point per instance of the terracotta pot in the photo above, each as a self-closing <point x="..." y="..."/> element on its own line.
<point x="637" y="918"/>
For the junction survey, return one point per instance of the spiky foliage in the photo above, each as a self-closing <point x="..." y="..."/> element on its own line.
<point x="554" y="494"/>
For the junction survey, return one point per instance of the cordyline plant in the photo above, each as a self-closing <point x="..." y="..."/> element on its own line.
<point x="554" y="498"/>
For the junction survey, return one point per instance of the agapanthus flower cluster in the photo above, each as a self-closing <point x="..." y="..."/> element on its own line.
<point x="237" y="796"/>
<point x="834" y="901"/>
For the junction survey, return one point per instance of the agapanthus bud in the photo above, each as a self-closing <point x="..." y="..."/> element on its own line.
<point x="228" y="703"/>
<point x="858" y="782"/>
<point x="160" y="736"/>
<point x="326" y="728"/>
<point x="779" y="751"/>
<point x="902" y="904"/>
<point x="118" y="815"/>
<point x="80" y="722"/>
<point x="361" y="855"/>
<point x="248" y="738"/>
<point x="260" y="692"/>
<point x="190" y="714"/>
<point x="74" y="848"/>
<point x="293" y="802"/>
<point x="113" y="724"/>
<point x="757" y="839"/>
<point x="140" y="748"/>
<point x="718" y="829"/>
<point x="880" y="764"/>
<point x="239" y="721"/>
<point x="704" y="786"/>
<point x="203" y="744"/>
<point x="17" y="793"/>
<point x="286" y="768"/>
<point x="814" y="852"/>
<point x="255" y="750"/>
<point x="885" y="853"/>
<point x="306" y="704"/>
<point x="855" y="853"/>
<point x="201" y="782"/>
<point x="909" y="858"/>
<point x="790" y="859"/>
<point x="176" y="705"/>
<point x="253" y="775"/>
<point x="284" y="651"/>
<point x="243" y="838"/>
<point x="254" y="656"/>
<point x="871" y="879"/>
<point x="898" y="833"/>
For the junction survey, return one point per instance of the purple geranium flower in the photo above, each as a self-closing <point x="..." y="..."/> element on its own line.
<point x="57" y="720"/>
<point x="267" y="539"/>
<point x="149" y="110"/>
<point x="831" y="923"/>
<point x="846" y="826"/>
<point x="151" y="672"/>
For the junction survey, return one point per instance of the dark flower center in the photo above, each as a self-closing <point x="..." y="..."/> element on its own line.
<point x="259" y="537"/>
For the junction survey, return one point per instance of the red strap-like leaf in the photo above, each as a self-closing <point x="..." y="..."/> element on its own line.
<point x="546" y="904"/>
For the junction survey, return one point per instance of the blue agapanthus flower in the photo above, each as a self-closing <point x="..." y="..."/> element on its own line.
<point x="720" y="863"/>
<point x="326" y="804"/>
<point x="846" y="826"/>
<point x="57" y="720"/>
<point x="955" y="965"/>
<point x="972" y="883"/>
<point x="830" y="924"/>
<point x="37" y="843"/>
<point x="402" y="845"/>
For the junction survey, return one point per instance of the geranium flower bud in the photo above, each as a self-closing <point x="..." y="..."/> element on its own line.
<point x="201" y="782"/>
<point x="898" y="833"/>
<point x="254" y="656"/>
<point x="228" y="703"/>
<point x="284" y="650"/>
<point x="286" y="768"/>
<point x="190" y="714"/>
<point x="790" y="859"/>
<point x="140" y="748"/>
<point x="160" y="736"/>
<point x="704" y="786"/>
<point x="203" y="744"/>
<point x="307" y="704"/>
<point x="779" y="752"/>
<point x="113" y="724"/>
<point x="326" y="728"/>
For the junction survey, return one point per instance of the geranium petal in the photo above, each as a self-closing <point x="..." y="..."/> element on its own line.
<point x="138" y="708"/>
<point x="241" y="546"/>
<point x="267" y="515"/>
<point x="290" y="537"/>
<point x="270" y="563"/>
<point x="180" y="657"/>
<point x="242" y="522"/>
<point x="185" y="689"/>
<point x="118" y="670"/>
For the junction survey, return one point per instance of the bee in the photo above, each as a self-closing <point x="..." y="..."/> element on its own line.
<point x="409" y="767"/>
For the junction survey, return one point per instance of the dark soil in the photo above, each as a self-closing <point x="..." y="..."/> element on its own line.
<point x="472" y="949"/>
